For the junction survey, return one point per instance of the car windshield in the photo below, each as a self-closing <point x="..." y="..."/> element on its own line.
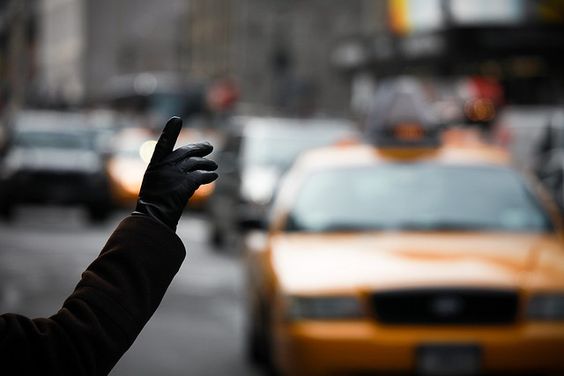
<point x="54" y="140"/>
<point x="130" y="148"/>
<point x="280" y="148"/>
<point x="417" y="197"/>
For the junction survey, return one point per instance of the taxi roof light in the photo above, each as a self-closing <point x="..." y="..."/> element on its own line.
<point x="402" y="117"/>
<point x="410" y="132"/>
<point x="407" y="135"/>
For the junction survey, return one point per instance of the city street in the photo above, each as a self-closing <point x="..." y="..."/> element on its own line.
<point x="397" y="167"/>
<point x="198" y="328"/>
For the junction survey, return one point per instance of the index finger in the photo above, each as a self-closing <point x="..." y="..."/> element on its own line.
<point x="168" y="138"/>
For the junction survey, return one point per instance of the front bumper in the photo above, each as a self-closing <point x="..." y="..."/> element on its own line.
<point x="333" y="348"/>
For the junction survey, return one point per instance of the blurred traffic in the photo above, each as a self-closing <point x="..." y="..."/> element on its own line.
<point x="255" y="154"/>
<point x="391" y="172"/>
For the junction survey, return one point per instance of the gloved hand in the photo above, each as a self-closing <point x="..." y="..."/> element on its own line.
<point x="172" y="177"/>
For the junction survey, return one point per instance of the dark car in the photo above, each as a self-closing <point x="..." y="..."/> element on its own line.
<point x="549" y="154"/>
<point x="52" y="159"/>
<point x="255" y="154"/>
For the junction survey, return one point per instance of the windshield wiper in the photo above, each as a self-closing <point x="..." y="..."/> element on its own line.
<point x="350" y="227"/>
<point x="442" y="226"/>
<point x="356" y="227"/>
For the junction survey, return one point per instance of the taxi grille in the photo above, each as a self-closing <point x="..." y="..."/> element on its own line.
<point x="446" y="307"/>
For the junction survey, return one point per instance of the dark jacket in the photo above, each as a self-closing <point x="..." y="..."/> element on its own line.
<point x="99" y="321"/>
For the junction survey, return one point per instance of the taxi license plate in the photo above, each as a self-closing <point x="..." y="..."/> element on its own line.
<point x="448" y="359"/>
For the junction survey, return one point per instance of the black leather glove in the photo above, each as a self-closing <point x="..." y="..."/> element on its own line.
<point x="172" y="177"/>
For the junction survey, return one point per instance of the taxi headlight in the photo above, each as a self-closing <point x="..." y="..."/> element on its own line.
<point x="324" y="308"/>
<point x="546" y="307"/>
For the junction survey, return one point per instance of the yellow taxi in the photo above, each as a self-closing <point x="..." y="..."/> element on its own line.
<point x="440" y="260"/>
<point x="131" y="153"/>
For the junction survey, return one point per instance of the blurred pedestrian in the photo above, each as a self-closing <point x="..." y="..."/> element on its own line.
<point x="123" y="287"/>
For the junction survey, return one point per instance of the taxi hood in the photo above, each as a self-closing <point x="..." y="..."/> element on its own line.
<point x="309" y="263"/>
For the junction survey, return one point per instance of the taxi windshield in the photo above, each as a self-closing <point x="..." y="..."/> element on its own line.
<point x="417" y="197"/>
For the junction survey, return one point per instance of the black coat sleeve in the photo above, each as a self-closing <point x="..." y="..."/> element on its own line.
<point x="99" y="321"/>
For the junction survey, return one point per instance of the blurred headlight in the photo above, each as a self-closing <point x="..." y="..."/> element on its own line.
<point x="324" y="308"/>
<point x="127" y="175"/>
<point x="146" y="150"/>
<point x="546" y="307"/>
<point x="130" y="184"/>
<point x="258" y="185"/>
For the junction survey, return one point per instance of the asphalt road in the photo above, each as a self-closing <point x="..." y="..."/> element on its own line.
<point x="198" y="328"/>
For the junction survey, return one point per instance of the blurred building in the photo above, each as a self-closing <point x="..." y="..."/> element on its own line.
<point x="18" y="26"/>
<point x="62" y="51"/>
<point x="296" y="57"/>
<point x="280" y="52"/>
<point x="518" y="43"/>
<point x="18" y="31"/>
<point x="85" y="44"/>
<point x="209" y="38"/>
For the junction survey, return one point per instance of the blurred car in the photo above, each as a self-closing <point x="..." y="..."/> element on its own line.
<point x="255" y="153"/>
<point x="548" y="152"/>
<point x="52" y="159"/>
<point x="131" y="153"/>
<point x="430" y="261"/>
<point x="126" y="165"/>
